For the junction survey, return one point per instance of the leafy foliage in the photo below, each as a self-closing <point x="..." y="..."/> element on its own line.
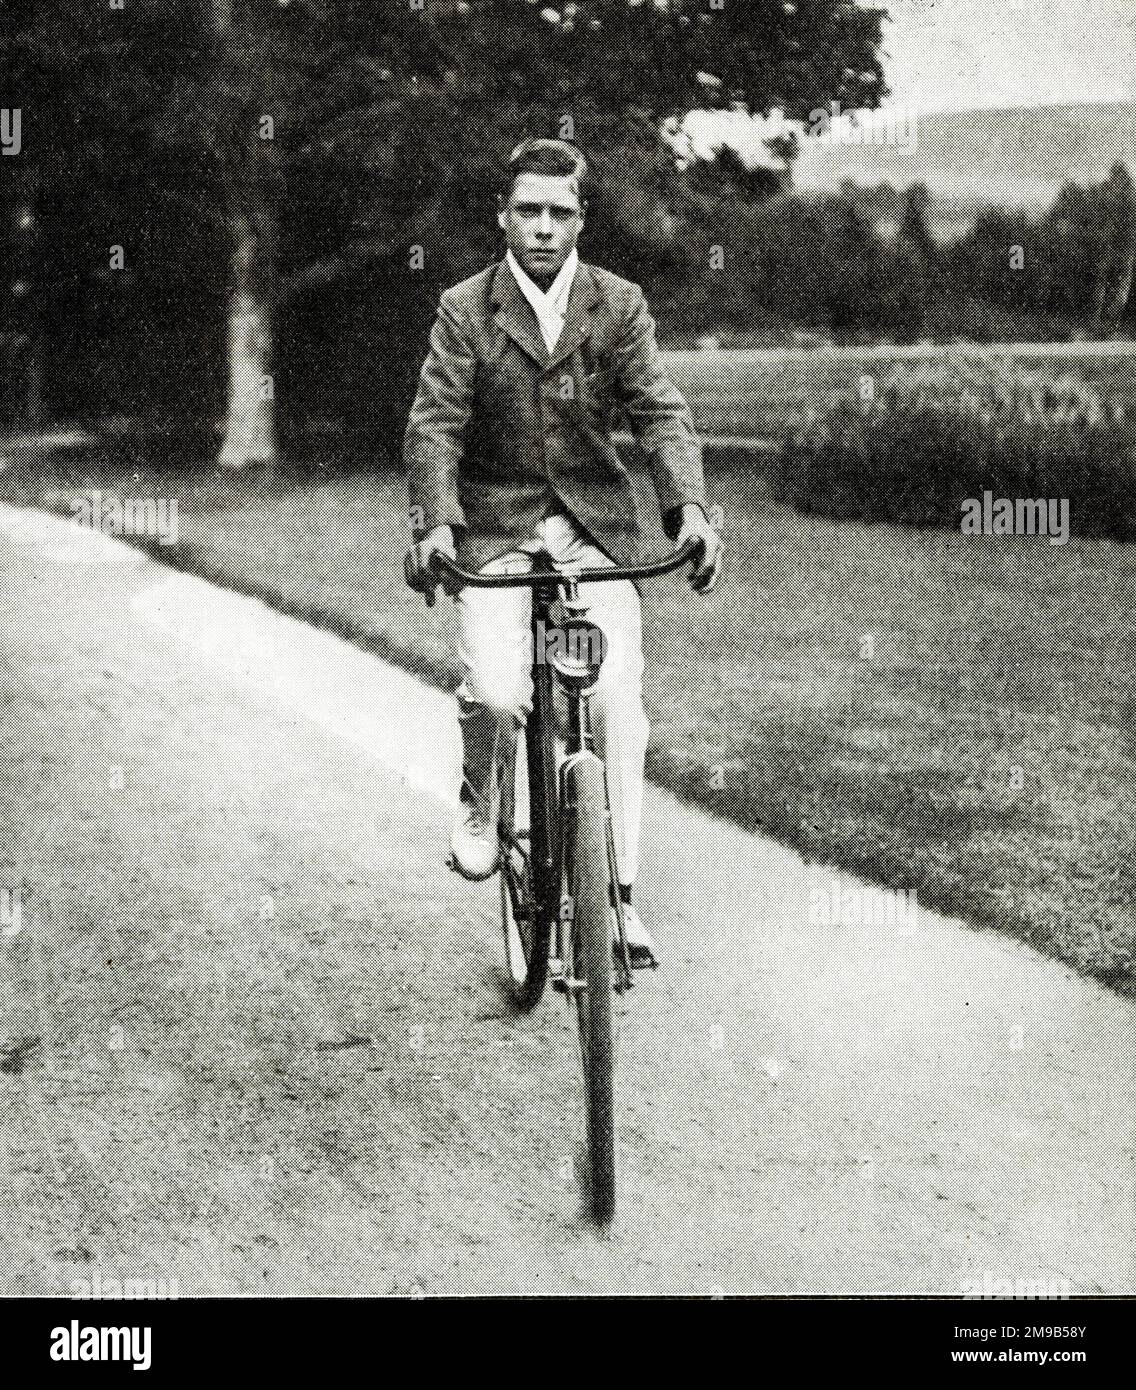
<point x="116" y="151"/>
<point x="1072" y="263"/>
<point x="911" y="449"/>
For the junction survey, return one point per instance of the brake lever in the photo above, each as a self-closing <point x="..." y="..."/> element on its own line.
<point x="428" y="594"/>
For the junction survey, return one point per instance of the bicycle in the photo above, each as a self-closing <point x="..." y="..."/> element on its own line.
<point x="558" y="873"/>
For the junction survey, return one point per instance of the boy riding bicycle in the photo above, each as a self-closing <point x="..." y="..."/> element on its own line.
<point x="508" y="450"/>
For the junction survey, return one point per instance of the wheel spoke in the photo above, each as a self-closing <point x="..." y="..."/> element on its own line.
<point x="526" y="938"/>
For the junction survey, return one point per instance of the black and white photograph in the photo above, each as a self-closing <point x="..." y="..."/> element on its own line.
<point x="568" y="660"/>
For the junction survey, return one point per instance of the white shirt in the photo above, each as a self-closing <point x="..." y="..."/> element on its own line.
<point x="551" y="305"/>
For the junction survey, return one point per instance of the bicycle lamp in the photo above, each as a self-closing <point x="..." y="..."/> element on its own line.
<point x="575" y="649"/>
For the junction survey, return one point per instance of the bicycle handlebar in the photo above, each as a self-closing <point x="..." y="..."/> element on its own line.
<point x="534" y="578"/>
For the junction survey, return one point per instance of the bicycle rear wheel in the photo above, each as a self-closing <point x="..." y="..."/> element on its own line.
<point x="525" y="919"/>
<point x="588" y="891"/>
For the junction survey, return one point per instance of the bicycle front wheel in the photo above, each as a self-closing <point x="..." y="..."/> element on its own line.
<point x="588" y="900"/>
<point x="525" y="916"/>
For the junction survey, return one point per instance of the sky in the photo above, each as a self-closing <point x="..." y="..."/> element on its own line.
<point x="944" y="55"/>
<point x="951" y="55"/>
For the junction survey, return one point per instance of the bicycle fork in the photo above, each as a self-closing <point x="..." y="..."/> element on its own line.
<point x="580" y="747"/>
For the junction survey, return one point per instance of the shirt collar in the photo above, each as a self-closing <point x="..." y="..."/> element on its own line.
<point x="556" y="296"/>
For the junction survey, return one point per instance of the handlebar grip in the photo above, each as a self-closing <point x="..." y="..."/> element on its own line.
<point x="428" y="594"/>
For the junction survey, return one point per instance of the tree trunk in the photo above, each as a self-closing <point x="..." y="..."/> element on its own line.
<point x="250" y="434"/>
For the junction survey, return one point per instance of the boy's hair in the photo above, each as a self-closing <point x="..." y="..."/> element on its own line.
<point x="557" y="158"/>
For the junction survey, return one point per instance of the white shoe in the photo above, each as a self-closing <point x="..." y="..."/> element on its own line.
<point x="473" y="843"/>
<point x="640" y="944"/>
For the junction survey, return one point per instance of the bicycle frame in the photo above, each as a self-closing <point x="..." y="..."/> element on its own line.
<point x="545" y="852"/>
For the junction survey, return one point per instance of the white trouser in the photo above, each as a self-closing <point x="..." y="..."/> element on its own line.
<point x="495" y="696"/>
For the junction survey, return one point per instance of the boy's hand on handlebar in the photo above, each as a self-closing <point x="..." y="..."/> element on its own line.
<point x="696" y="526"/>
<point x="420" y="574"/>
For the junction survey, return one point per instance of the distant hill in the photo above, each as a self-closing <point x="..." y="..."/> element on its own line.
<point x="967" y="158"/>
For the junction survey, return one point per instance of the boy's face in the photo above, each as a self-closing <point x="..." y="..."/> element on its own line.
<point x="541" y="221"/>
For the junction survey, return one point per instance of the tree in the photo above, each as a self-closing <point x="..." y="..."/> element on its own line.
<point x="1002" y="260"/>
<point x="1114" y="278"/>
<point x="1074" y="248"/>
<point x="915" y="223"/>
<point x="914" y="287"/>
<point x="116" y="195"/>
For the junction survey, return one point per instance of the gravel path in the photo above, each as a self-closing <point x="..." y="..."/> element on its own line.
<point x="252" y="1033"/>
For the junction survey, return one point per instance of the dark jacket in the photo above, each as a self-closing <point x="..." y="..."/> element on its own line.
<point x="501" y="432"/>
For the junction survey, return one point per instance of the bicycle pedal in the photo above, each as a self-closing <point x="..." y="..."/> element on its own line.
<point x="455" y="868"/>
<point x="637" y="961"/>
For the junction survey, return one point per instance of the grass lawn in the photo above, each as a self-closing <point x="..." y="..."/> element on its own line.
<point x="948" y="715"/>
<point x="763" y="392"/>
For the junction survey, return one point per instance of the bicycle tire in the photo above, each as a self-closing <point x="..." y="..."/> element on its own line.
<point x="527" y="945"/>
<point x="589" y="890"/>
